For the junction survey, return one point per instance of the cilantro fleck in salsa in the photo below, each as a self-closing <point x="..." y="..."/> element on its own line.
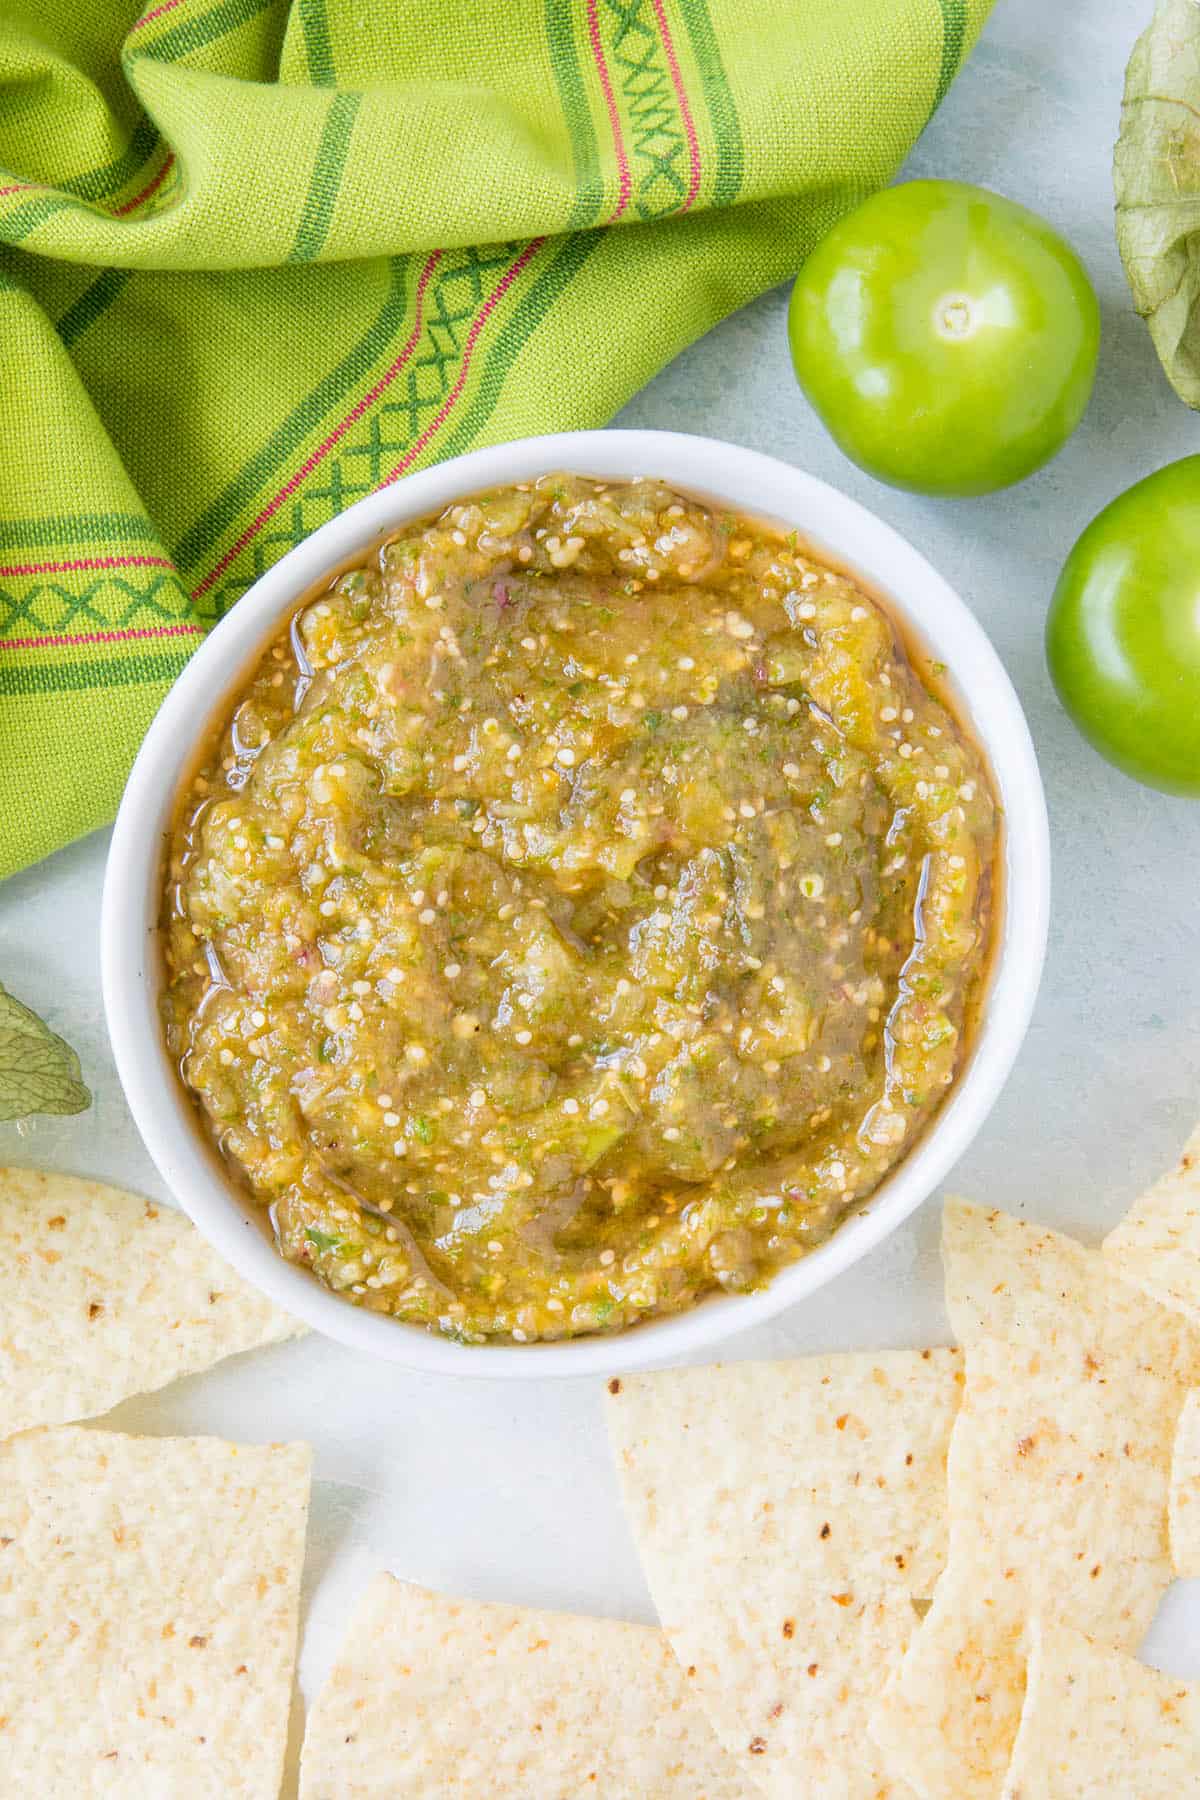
<point x="580" y="910"/>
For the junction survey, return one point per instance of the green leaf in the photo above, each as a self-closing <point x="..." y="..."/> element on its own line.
<point x="39" y="1073"/>
<point x="322" y="1239"/>
<point x="1156" y="173"/>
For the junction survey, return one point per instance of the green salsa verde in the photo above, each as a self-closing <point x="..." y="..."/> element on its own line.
<point x="579" y="910"/>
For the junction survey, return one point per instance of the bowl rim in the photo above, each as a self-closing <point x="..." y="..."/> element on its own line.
<point x="836" y="526"/>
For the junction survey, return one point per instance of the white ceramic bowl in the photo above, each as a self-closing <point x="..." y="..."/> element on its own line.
<point x="927" y="609"/>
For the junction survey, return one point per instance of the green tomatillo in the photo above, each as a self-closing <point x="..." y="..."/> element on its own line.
<point x="946" y="336"/>
<point x="1123" y="636"/>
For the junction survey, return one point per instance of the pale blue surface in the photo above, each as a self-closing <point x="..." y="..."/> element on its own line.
<point x="1109" y="1081"/>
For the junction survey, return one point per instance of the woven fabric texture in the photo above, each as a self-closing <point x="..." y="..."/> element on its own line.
<point x="258" y="258"/>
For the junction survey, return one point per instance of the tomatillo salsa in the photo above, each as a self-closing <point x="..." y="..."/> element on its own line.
<point x="581" y="908"/>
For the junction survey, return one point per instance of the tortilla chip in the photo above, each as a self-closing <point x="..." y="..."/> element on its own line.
<point x="1157" y="1244"/>
<point x="1185" y="1492"/>
<point x="788" y="1515"/>
<point x="1059" y="1479"/>
<point x="104" y="1295"/>
<point x="149" y="1591"/>
<point x="1009" y="1278"/>
<point x="1096" y="1723"/>
<point x="950" y="1713"/>
<point x="1060" y="1462"/>
<point x="433" y="1696"/>
<point x="1058" y="1487"/>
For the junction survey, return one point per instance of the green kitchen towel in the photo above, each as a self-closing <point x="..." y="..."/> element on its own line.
<point x="258" y="258"/>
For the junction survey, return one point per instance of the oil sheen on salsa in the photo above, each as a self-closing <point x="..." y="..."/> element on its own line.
<point x="578" y="911"/>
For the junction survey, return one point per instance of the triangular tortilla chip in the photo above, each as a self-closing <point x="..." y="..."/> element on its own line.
<point x="951" y="1710"/>
<point x="104" y="1295"/>
<point x="1061" y="1457"/>
<point x="788" y="1515"/>
<point x="148" y="1598"/>
<point x="1097" y="1723"/>
<point x="1059" y="1477"/>
<point x="1009" y="1278"/>
<point x="453" y="1698"/>
<point x="1058" y="1501"/>
<point x="1157" y="1244"/>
